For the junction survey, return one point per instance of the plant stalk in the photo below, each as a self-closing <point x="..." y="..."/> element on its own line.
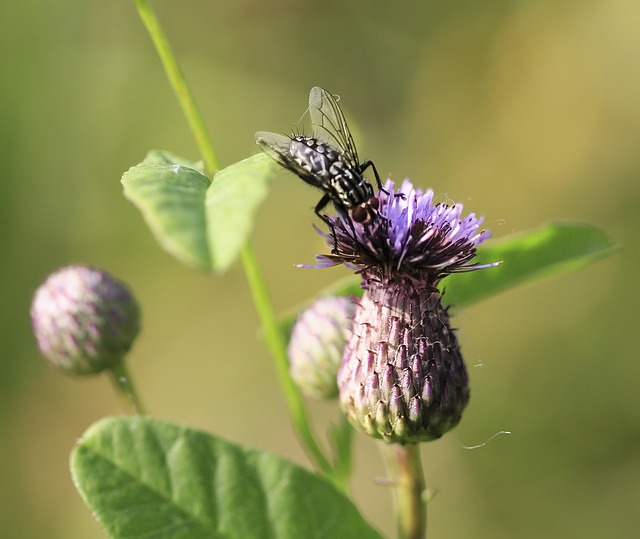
<point x="257" y="285"/>
<point x="277" y="347"/>
<point x="124" y="388"/>
<point x="179" y="85"/>
<point x="407" y="480"/>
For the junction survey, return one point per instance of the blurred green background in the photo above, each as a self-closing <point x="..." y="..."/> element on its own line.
<point x="525" y="111"/>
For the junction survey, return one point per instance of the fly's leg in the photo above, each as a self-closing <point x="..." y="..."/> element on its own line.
<point x="324" y="201"/>
<point x="368" y="164"/>
<point x="321" y="206"/>
<point x="364" y="166"/>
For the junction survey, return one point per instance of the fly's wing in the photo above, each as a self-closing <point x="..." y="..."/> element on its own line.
<point x="278" y="147"/>
<point x="275" y="146"/>
<point x="329" y="124"/>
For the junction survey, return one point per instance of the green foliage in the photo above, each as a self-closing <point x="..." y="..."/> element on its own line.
<point x="231" y="205"/>
<point x="144" y="478"/>
<point x="553" y="249"/>
<point x="171" y="200"/>
<point x="203" y="224"/>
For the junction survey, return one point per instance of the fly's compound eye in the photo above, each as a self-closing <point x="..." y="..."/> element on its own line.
<point x="360" y="213"/>
<point x="365" y="211"/>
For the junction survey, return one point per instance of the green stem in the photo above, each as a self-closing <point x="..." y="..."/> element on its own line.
<point x="124" y="387"/>
<point x="277" y="347"/>
<point x="407" y="480"/>
<point x="274" y="339"/>
<point x="179" y="85"/>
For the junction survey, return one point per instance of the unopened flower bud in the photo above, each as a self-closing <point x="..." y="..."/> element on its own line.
<point x="84" y="320"/>
<point x="316" y="345"/>
<point x="403" y="378"/>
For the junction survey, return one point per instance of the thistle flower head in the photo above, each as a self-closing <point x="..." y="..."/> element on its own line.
<point x="402" y="377"/>
<point x="411" y="237"/>
<point x="84" y="320"/>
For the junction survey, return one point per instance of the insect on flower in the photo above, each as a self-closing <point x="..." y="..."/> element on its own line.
<point x="327" y="160"/>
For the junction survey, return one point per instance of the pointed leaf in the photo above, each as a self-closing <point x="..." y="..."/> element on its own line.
<point x="231" y="204"/>
<point x="203" y="224"/>
<point x="171" y="200"/>
<point x="554" y="249"/>
<point x="146" y="479"/>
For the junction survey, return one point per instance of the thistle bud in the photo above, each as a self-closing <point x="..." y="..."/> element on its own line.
<point x="84" y="320"/>
<point x="317" y="341"/>
<point x="403" y="378"/>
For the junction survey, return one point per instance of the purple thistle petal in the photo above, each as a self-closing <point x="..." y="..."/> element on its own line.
<point x="410" y="237"/>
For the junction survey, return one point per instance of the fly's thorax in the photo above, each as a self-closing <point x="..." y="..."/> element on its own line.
<point x="338" y="175"/>
<point x="314" y="156"/>
<point x="348" y="185"/>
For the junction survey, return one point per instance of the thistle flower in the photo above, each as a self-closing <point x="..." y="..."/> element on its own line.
<point x="84" y="320"/>
<point x="316" y="345"/>
<point x="402" y="376"/>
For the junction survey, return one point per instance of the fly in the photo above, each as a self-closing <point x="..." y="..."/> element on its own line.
<point x="327" y="160"/>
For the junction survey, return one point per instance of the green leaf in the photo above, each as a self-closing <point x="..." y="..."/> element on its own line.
<point x="232" y="201"/>
<point x="553" y="249"/>
<point x="203" y="224"/>
<point x="143" y="478"/>
<point x="171" y="200"/>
